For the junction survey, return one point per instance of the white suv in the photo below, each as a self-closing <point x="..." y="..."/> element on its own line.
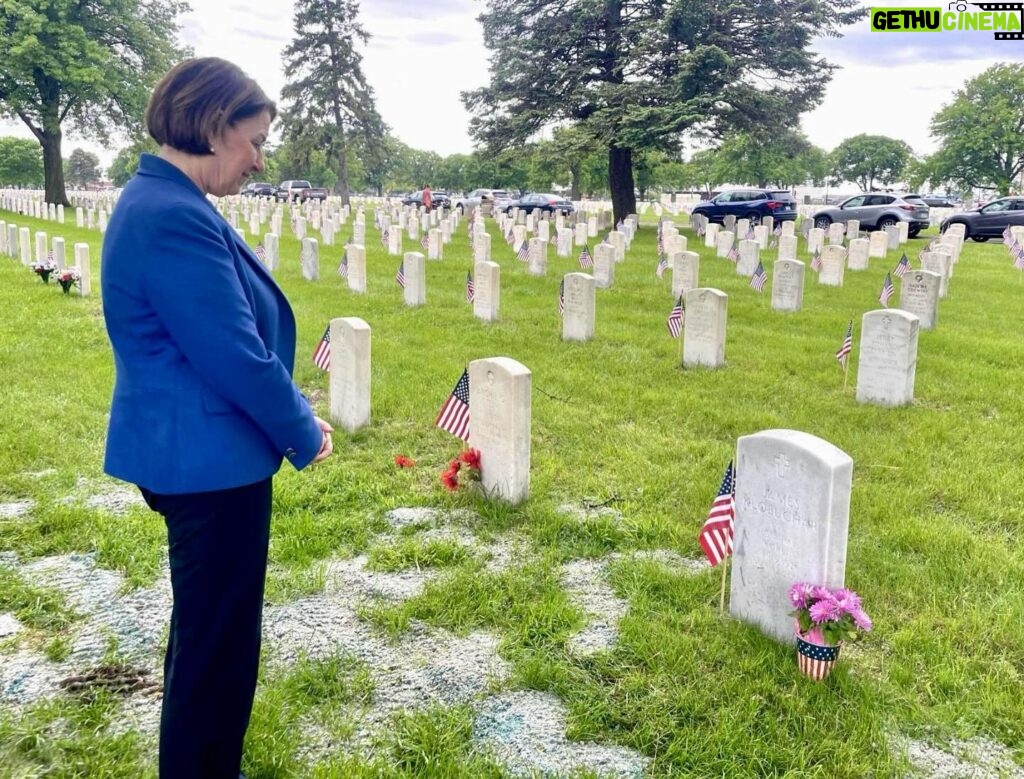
<point x="497" y="199"/>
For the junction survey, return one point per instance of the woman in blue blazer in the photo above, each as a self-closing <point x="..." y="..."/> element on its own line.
<point x="204" y="407"/>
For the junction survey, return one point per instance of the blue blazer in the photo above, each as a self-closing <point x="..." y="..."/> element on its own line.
<point x="204" y="346"/>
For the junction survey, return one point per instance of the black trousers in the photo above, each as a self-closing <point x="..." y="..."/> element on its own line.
<point x="218" y="558"/>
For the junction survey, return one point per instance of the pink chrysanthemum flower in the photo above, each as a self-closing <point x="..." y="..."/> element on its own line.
<point x="825" y="610"/>
<point x="799" y="594"/>
<point x="862" y="620"/>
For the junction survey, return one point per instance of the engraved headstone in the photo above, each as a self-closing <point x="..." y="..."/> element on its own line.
<point x="888" y="357"/>
<point x="349" y="384"/>
<point x="919" y="295"/>
<point x="857" y="259"/>
<point x="604" y="265"/>
<point x="792" y="520"/>
<point x="580" y="303"/>
<point x="704" y="329"/>
<point x="487" y="291"/>
<point x="685" y="272"/>
<point x="788" y="285"/>
<point x="415" y="292"/>
<point x="833" y="265"/>
<point x="500" y="409"/>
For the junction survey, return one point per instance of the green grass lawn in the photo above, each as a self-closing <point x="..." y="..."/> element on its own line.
<point x="935" y="519"/>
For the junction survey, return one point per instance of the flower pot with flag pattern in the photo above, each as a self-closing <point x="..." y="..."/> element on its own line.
<point x="816" y="660"/>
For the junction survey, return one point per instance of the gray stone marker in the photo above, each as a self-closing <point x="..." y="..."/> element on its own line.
<point x="750" y="257"/>
<point x="704" y="331"/>
<point x="580" y="307"/>
<point x="12" y="240"/>
<point x="729" y="223"/>
<point x="887" y="361"/>
<point x="792" y="520"/>
<point x="919" y="295"/>
<point x="685" y="272"/>
<point x="435" y="244"/>
<point x="272" y="250"/>
<point x="938" y="262"/>
<point x="857" y="259"/>
<point x="787" y="245"/>
<point x="617" y="239"/>
<point x="60" y="253"/>
<point x="499" y="410"/>
<point x="852" y="229"/>
<point x="25" y="243"/>
<point x="878" y="244"/>
<point x="359" y="234"/>
<point x="349" y="384"/>
<point x="415" y="292"/>
<point x="537" y="264"/>
<point x="84" y="272"/>
<point x="563" y="247"/>
<point x="356" y="267"/>
<point x="836" y="231"/>
<point x="723" y="243"/>
<point x="42" y="241"/>
<point x="788" y="285"/>
<point x="833" y="265"/>
<point x="481" y="247"/>
<point x="604" y="265"/>
<point x="903" y="231"/>
<point x="581" y="233"/>
<point x="486" y="291"/>
<point x="892" y="234"/>
<point x="310" y="259"/>
<point x="815" y="239"/>
<point x="711" y="235"/>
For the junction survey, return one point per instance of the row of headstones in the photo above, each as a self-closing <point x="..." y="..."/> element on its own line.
<point x="91" y="218"/>
<point x="17" y="244"/>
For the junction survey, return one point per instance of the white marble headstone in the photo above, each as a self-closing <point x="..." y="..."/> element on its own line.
<point x="887" y="362"/>
<point x="788" y="285"/>
<point x="580" y="304"/>
<point x="500" y="409"/>
<point x="704" y="327"/>
<point x="919" y="295"/>
<point x="792" y="520"/>
<point x="349" y="384"/>
<point x="486" y="291"/>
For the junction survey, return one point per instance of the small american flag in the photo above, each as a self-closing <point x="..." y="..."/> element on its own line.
<point x="343" y="267"/>
<point x="454" y="414"/>
<point x="618" y="225"/>
<point x="759" y="279"/>
<point x="902" y="267"/>
<point x="322" y="353"/>
<point x="716" y="536"/>
<point x="425" y="241"/>
<point x="384" y="238"/>
<point x="1015" y="249"/>
<point x="733" y="254"/>
<point x="676" y="317"/>
<point x="260" y="252"/>
<point x="470" y="289"/>
<point x="843" y="355"/>
<point x="887" y="290"/>
<point x="816" y="261"/>
<point x="662" y="264"/>
<point x="750" y="233"/>
<point x="701" y="230"/>
<point x="778" y="230"/>
<point x="586" y="260"/>
<point x="561" y="297"/>
<point x="1018" y="257"/>
<point x="554" y="239"/>
<point x="510" y="236"/>
<point x="523" y="254"/>
<point x="400" y="275"/>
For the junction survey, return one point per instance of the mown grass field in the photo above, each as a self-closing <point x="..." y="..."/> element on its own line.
<point x="935" y="521"/>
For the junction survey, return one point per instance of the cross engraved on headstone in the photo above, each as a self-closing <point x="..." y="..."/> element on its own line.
<point x="781" y="465"/>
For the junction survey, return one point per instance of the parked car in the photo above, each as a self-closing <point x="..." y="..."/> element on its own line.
<point x="300" y="191"/>
<point x="259" y="189"/>
<point x="989" y="220"/>
<point x="493" y="199"/>
<point x="752" y="204"/>
<point x="437" y="200"/>
<point x="941" y="201"/>
<point x="876" y="211"/>
<point x="541" y="202"/>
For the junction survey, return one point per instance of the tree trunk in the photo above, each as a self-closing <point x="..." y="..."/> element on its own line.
<point x="574" y="185"/>
<point x="53" y="167"/>
<point x="620" y="180"/>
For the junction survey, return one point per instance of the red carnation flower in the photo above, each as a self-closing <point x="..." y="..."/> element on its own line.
<point x="404" y="462"/>
<point x="471" y="457"/>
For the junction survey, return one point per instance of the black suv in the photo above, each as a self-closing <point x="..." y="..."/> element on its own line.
<point x="752" y="204"/>
<point x="259" y="189"/>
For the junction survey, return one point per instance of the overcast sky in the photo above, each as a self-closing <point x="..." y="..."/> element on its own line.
<point x="424" y="52"/>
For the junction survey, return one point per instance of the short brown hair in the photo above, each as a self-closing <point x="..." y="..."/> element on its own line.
<point x="198" y="99"/>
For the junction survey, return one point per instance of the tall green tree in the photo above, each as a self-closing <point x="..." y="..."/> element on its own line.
<point x="126" y="161"/>
<point x="783" y="158"/>
<point x="85" y="66"/>
<point x="327" y="100"/>
<point x="865" y="159"/>
<point x="21" y="163"/>
<point x="981" y="133"/>
<point x="636" y="74"/>
<point x="81" y="168"/>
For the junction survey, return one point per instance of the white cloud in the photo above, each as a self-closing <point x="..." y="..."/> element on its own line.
<point x="423" y="54"/>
